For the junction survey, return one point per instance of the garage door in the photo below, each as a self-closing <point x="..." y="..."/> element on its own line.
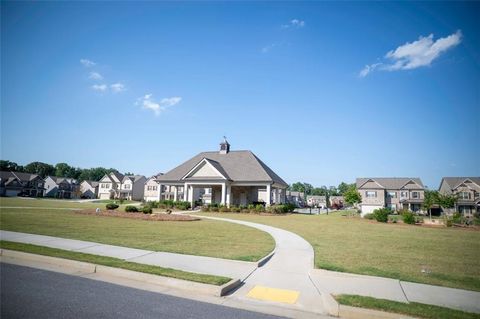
<point x="11" y="192"/>
<point x="366" y="209"/>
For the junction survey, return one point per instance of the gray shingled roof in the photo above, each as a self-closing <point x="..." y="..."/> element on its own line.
<point x="239" y="166"/>
<point x="24" y="177"/>
<point x="455" y="181"/>
<point x="133" y="178"/>
<point x="390" y="182"/>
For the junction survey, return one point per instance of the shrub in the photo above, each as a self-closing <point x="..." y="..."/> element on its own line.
<point x="259" y="208"/>
<point x="449" y="222"/>
<point x="205" y="208"/>
<point x="393" y="219"/>
<point x="289" y="208"/>
<point x="235" y="209"/>
<point x="408" y="218"/>
<point x="368" y="216"/>
<point x="153" y="204"/>
<point x="251" y="207"/>
<point x="111" y="206"/>
<point x="245" y="211"/>
<point x="131" y="209"/>
<point x="277" y="209"/>
<point x="381" y="214"/>
<point x="457" y="218"/>
<point x="147" y="210"/>
<point x="224" y="209"/>
<point x="181" y="205"/>
<point x="214" y="209"/>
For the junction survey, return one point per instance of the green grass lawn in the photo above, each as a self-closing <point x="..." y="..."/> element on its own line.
<point x="355" y="245"/>
<point x="204" y="238"/>
<point x="114" y="262"/>
<point x="56" y="203"/>
<point x="411" y="309"/>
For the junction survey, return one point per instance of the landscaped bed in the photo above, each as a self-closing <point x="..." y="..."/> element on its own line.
<point x="142" y="216"/>
<point x="432" y="255"/>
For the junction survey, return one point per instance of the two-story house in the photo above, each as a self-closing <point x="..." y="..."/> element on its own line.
<point x="109" y="185"/>
<point x="61" y="187"/>
<point x="396" y="193"/>
<point x="467" y="191"/>
<point x="336" y="201"/>
<point x="317" y="201"/>
<point x="296" y="198"/>
<point x="89" y="189"/>
<point x="131" y="188"/>
<point x="21" y="184"/>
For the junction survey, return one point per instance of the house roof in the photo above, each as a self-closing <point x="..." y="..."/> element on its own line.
<point x="453" y="182"/>
<point x="91" y="183"/>
<point x="118" y="175"/>
<point x="133" y="178"/>
<point x="294" y="193"/>
<point x="239" y="166"/>
<point x="390" y="182"/>
<point x="24" y="177"/>
<point x="59" y="180"/>
<point x="317" y="197"/>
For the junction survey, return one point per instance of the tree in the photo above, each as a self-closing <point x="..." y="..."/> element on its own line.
<point x="39" y="168"/>
<point x="63" y="170"/>
<point x="431" y="198"/>
<point x="342" y="188"/>
<point x="10" y="166"/>
<point x="447" y="201"/>
<point x="352" y="196"/>
<point x="302" y="187"/>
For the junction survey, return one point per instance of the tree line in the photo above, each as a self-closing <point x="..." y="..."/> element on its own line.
<point x="59" y="170"/>
<point x="308" y="189"/>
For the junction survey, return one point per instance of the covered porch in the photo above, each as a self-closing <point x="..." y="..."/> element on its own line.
<point x="236" y="194"/>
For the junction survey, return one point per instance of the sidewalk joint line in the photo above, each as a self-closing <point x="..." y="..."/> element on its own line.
<point x="150" y="252"/>
<point x="401" y="287"/>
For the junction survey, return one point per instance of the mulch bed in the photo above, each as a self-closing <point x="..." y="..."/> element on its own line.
<point x="142" y="216"/>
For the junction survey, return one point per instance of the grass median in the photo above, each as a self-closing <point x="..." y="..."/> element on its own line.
<point x="411" y="309"/>
<point x="114" y="262"/>
<point x="438" y="256"/>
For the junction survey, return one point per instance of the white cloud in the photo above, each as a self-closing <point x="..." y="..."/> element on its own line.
<point x="117" y="87"/>
<point x="95" y="76"/>
<point x="269" y="47"/>
<point x="87" y="63"/>
<point x="294" y="23"/>
<point x="157" y="107"/>
<point x="415" y="54"/>
<point x="100" y="87"/>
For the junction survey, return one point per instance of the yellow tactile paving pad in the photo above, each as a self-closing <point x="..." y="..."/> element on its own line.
<point x="273" y="294"/>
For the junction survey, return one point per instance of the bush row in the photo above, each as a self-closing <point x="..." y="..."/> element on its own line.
<point x="169" y="204"/>
<point x="252" y="209"/>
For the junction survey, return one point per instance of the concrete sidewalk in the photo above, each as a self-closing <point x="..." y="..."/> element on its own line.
<point x="293" y="263"/>
<point x="197" y="264"/>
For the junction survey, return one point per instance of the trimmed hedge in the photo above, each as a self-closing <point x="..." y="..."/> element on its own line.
<point x="111" y="206"/>
<point x="131" y="209"/>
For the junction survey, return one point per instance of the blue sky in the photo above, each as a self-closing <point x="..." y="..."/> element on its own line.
<point x="145" y="86"/>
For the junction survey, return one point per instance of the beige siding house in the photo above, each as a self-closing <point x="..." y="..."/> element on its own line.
<point x="467" y="190"/>
<point x="396" y="193"/>
<point x="109" y="185"/>
<point x="89" y="189"/>
<point x="224" y="177"/>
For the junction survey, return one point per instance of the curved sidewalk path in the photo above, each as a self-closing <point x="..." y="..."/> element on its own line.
<point x="285" y="276"/>
<point x="292" y="268"/>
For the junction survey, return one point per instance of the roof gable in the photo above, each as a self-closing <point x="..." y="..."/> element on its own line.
<point x="206" y="169"/>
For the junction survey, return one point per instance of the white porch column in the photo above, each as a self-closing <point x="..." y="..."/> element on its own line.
<point x="229" y="195"/>
<point x="175" y="194"/>
<point x="223" y="196"/>
<point x="185" y="192"/>
<point x="190" y="195"/>
<point x="269" y="195"/>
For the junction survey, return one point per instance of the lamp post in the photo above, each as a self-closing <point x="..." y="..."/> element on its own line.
<point x="326" y="200"/>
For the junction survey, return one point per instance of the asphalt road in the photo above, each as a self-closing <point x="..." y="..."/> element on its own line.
<point x="33" y="293"/>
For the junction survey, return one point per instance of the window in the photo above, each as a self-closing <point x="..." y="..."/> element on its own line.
<point x="415" y="195"/>
<point x="371" y="194"/>
<point x="154" y="188"/>
<point x="126" y="186"/>
<point x="464" y="195"/>
<point x="392" y="194"/>
<point x="404" y="194"/>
